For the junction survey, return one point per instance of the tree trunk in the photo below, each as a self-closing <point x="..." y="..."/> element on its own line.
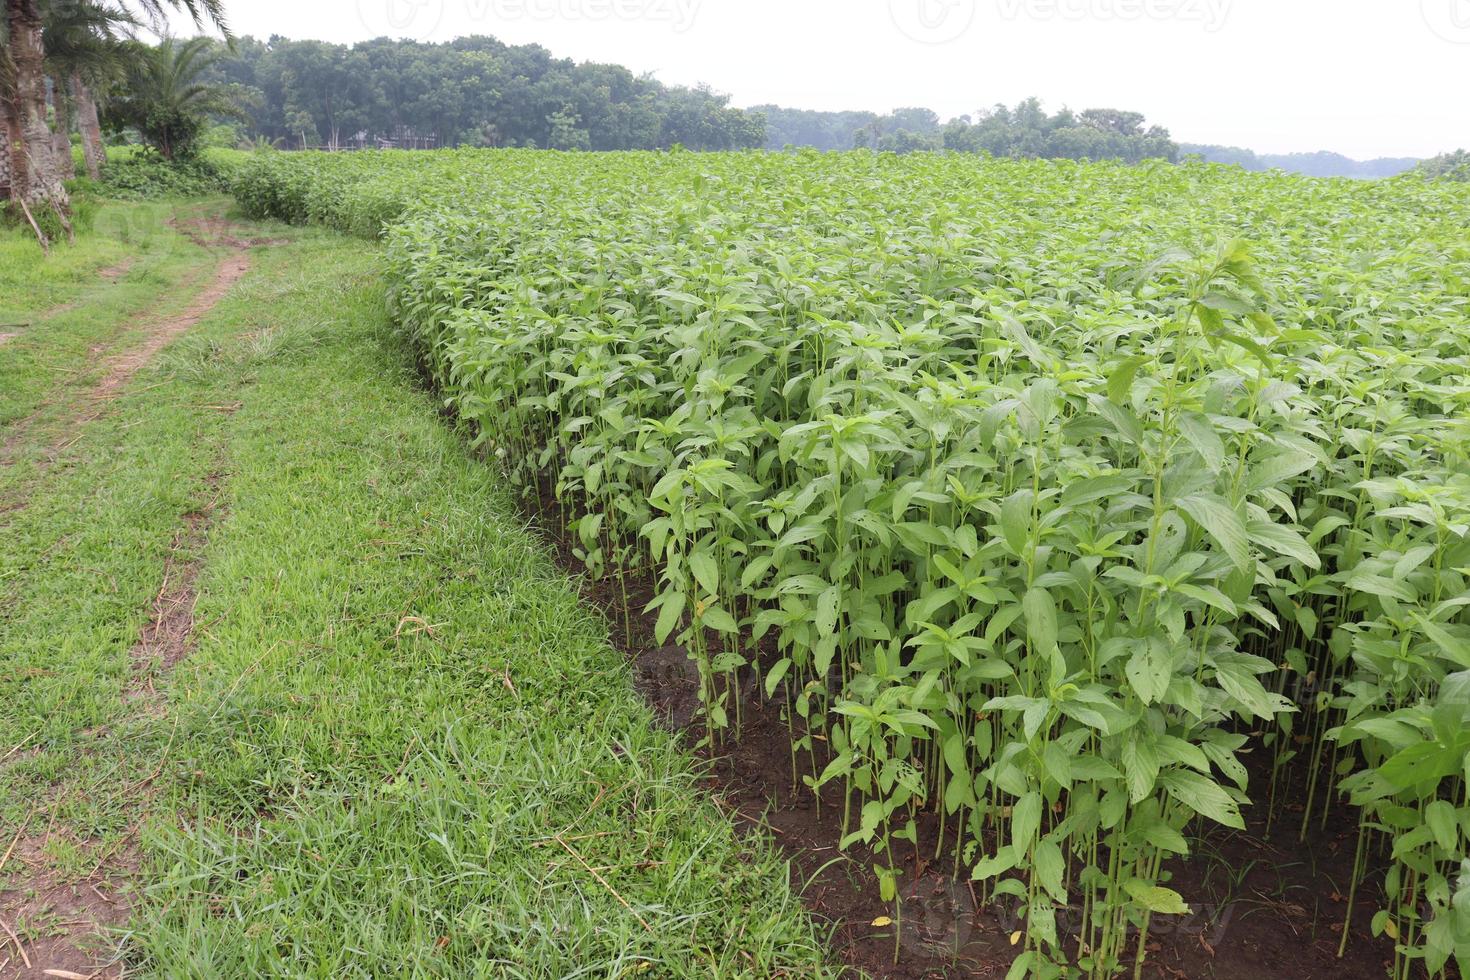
<point x="36" y="177"/>
<point x="92" y="149"/>
<point x="15" y="162"/>
<point x="61" y="138"/>
<point x="5" y="141"/>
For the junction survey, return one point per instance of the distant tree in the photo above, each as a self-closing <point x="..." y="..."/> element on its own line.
<point x="1447" y="166"/>
<point x="1114" y="121"/>
<point x="566" y="134"/>
<point x="809" y="127"/>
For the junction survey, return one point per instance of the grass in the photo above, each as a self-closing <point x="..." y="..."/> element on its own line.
<point x="58" y="309"/>
<point x="399" y="745"/>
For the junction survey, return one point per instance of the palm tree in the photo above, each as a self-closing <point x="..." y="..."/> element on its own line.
<point x="33" y="169"/>
<point x="165" y="100"/>
<point x="34" y="176"/>
<point x="84" y="50"/>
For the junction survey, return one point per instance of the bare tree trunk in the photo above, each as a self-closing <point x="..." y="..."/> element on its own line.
<point x="92" y="150"/>
<point x="61" y="138"/>
<point x="36" y="180"/>
<point x="5" y="141"/>
<point x="15" y="162"/>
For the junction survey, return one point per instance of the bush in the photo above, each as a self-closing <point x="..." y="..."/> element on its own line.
<point x="144" y="175"/>
<point x="83" y="216"/>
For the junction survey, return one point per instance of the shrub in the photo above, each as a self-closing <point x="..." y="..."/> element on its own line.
<point x="145" y="175"/>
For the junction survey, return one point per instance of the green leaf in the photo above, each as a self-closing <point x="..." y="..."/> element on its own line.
<point x="1050" y="867"/>
<point x="826" y="615"/>
<point x="1284" y="541"/>
<point x="717" y="619"/>
<point x="1123" y="420"/>
<point x="1041" y="619"/>
<point x="706" y="572"/>
<point x="773" y="676"/>
<point x="1201" y="435"/>
<point x="1015" y="520"/>
<point x="1443" y="823"/>
<point x="1220" y="522"/>
<point x="1156" y="898"/>
<point x="1150" y="668"/>
<point x="1140" y="767"/>
<point x="998" y="864"/>
<point x="1120" y="382"/>
<point x="1276" y="470"/>
<point x="668" y="615"/>
<point x="1202" y="795"/>
<point x="1025" y="820"/>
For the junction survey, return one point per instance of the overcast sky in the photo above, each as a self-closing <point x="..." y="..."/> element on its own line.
<point x="1364" y="77"/>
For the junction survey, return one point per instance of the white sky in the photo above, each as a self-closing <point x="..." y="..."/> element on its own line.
<point x="1363" y="77"/>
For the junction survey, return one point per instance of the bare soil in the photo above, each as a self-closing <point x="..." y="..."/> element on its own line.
<point x="55" y="924"/>
<point x="69" y="914"/>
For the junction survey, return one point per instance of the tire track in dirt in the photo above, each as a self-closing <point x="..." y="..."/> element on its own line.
<point x="57" y="924"/>
<point x="120" y="368"/>
<point x="79" y="912"/>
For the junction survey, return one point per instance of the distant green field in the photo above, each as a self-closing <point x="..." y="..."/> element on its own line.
<point x="1041" y="496"/>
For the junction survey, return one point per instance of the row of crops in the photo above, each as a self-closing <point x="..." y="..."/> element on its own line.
<point x="1074" y="504"/>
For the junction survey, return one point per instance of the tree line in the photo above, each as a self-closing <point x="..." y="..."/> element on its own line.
<point x="1447" y="166"/>
<point x="472" y="91"/>
<point x="77" y="66"/>
<point x="479" y="91"/>
<point x="1322" y="163"/>
<point x="1023" y="130"/>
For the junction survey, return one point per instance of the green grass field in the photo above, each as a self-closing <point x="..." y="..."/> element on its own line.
<point x="397" y="744"/>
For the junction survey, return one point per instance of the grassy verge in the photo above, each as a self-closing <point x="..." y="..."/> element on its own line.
<point x="398" y="744"/>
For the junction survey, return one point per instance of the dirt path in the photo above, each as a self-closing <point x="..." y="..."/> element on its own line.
<point x="64" y="916"/>
<point x="79" y="911"/>
<point x="120" y="368"/>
